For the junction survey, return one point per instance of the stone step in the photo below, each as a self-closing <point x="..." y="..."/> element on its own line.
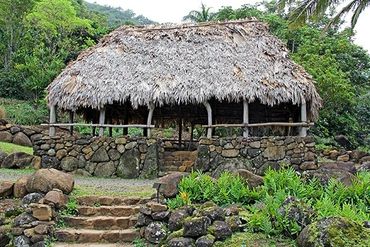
<point x="100" y="222"/>
<point x="110" y="201"/>
<point x="96" y="236"/>
<point x="118" y="211"/>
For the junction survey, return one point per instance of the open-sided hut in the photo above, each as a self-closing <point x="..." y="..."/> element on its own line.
<point x="230" y="74"/>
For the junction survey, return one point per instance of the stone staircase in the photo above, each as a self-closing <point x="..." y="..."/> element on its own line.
<point x="101" y="220"/>
<point x="178" y="160"/>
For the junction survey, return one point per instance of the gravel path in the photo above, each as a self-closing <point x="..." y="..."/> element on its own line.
<point x="93" y="184"/>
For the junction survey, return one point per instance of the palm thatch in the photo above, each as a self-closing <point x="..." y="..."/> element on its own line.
<point x="185" y="64"/>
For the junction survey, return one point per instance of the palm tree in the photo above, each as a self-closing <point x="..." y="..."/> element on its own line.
<point x="306" y="10"/>
<point x="200" y="16"/>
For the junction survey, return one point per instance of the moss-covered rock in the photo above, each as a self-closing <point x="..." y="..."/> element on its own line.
<point x="334" y="231"/>
<point x="197" y="226"/>
<point x="205" y="241"/>
<point x="296" y="212"/>
<point x="175" y="234"/>
<point x="234" y="223"/>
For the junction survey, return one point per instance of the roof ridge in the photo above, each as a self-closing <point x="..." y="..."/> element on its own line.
<point x="186" y="25"/>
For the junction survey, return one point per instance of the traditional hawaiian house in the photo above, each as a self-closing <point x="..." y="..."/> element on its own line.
<point x="230" y="74"/>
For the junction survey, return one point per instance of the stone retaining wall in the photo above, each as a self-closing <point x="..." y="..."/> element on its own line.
<point x="255" y="154"/>
<point x="100" y="156"/>
<point x="21" y="135"/>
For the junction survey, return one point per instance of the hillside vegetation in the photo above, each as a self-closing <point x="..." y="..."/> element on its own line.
<point x="118" y="16"/>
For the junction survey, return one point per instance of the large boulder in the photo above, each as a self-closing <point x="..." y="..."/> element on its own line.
<point x="169" y="184"/>
<point x="20" y="189"/>
<point x="325" y="174"/>
<point x="45" y="180"/>
<point x="21" y="139"/>
<point x="6" y="189"/>
<point x="150" y="168"/>
<point x="128" y="166"/>
<point x="69" y="164"/>
<point x="17" y="160"/>
<point x="334" y="231"/>
<point x="100" y="155"/>
<point x="252" y="179"/>
<point x="106" y="169"/>
<point x="2" y="156"/>
<point x="155" y="232"/>
<point x="5" y="136"/>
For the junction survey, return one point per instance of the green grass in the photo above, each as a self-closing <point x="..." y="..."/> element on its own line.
<point x="13" y="148"/>
<point x="244" y="239"/>
<point x="16" y="172"/>
<point x="140" y="191"/>
<point x="24" y="112"/>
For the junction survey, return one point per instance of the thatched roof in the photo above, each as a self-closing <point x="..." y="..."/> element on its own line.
<point x="171" y="64"/>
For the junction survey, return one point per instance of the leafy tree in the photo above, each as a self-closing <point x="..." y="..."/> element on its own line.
<point x="303" y="11"/>
<point x="202" y="15"/>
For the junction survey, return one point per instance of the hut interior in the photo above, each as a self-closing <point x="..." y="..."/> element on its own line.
<point x="186" y="117"/>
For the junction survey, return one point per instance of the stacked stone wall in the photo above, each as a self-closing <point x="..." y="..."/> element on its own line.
<point x="100" y="156"/>
<point x="21" y="135"/>
<point x="256" y="154"/>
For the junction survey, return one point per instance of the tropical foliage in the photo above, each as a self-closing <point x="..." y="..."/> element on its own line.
<point x="304" y="11"/>
<point x="263" y="204"/>
<point x="39" y="37"/>
<point x="203" y="15"/>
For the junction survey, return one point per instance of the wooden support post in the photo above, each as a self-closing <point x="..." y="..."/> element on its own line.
<point x="71" y="120"/>
<point x="191" y="135"/>
<point x="209" y="113"/>
<point x="303" y="130"/>
<point x="180" y="131"/>
<point x="53" y="119"/>
<point x="149" y="120"/>
<point x="245" y="118"/>
<point x="110" y="128"/>
<point x="125" y="121"/>
<point x="101" y="121"/>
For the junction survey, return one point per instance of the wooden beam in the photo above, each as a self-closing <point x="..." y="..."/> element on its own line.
<point x="283" y="124"/>
<point x="245" y="118"/>
<point x="101" y="121"/>
<point x="149" y="119"/>
<point x="71" y="120"/>
<point x="303" y="129"/>
<point x="53" y="119"/>
<point x="209" y="113"/>
<point x="100" y="125"/>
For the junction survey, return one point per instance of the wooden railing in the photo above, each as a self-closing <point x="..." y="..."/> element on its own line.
<point x="282" y="124"/>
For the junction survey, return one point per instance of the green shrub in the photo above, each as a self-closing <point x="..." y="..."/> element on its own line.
<point x="25" y="113"/>
<point x="264" y="203"/>
<point x="71" y="208"/>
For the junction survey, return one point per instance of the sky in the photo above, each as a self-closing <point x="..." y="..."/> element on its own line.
<point x="173" y="11"/>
